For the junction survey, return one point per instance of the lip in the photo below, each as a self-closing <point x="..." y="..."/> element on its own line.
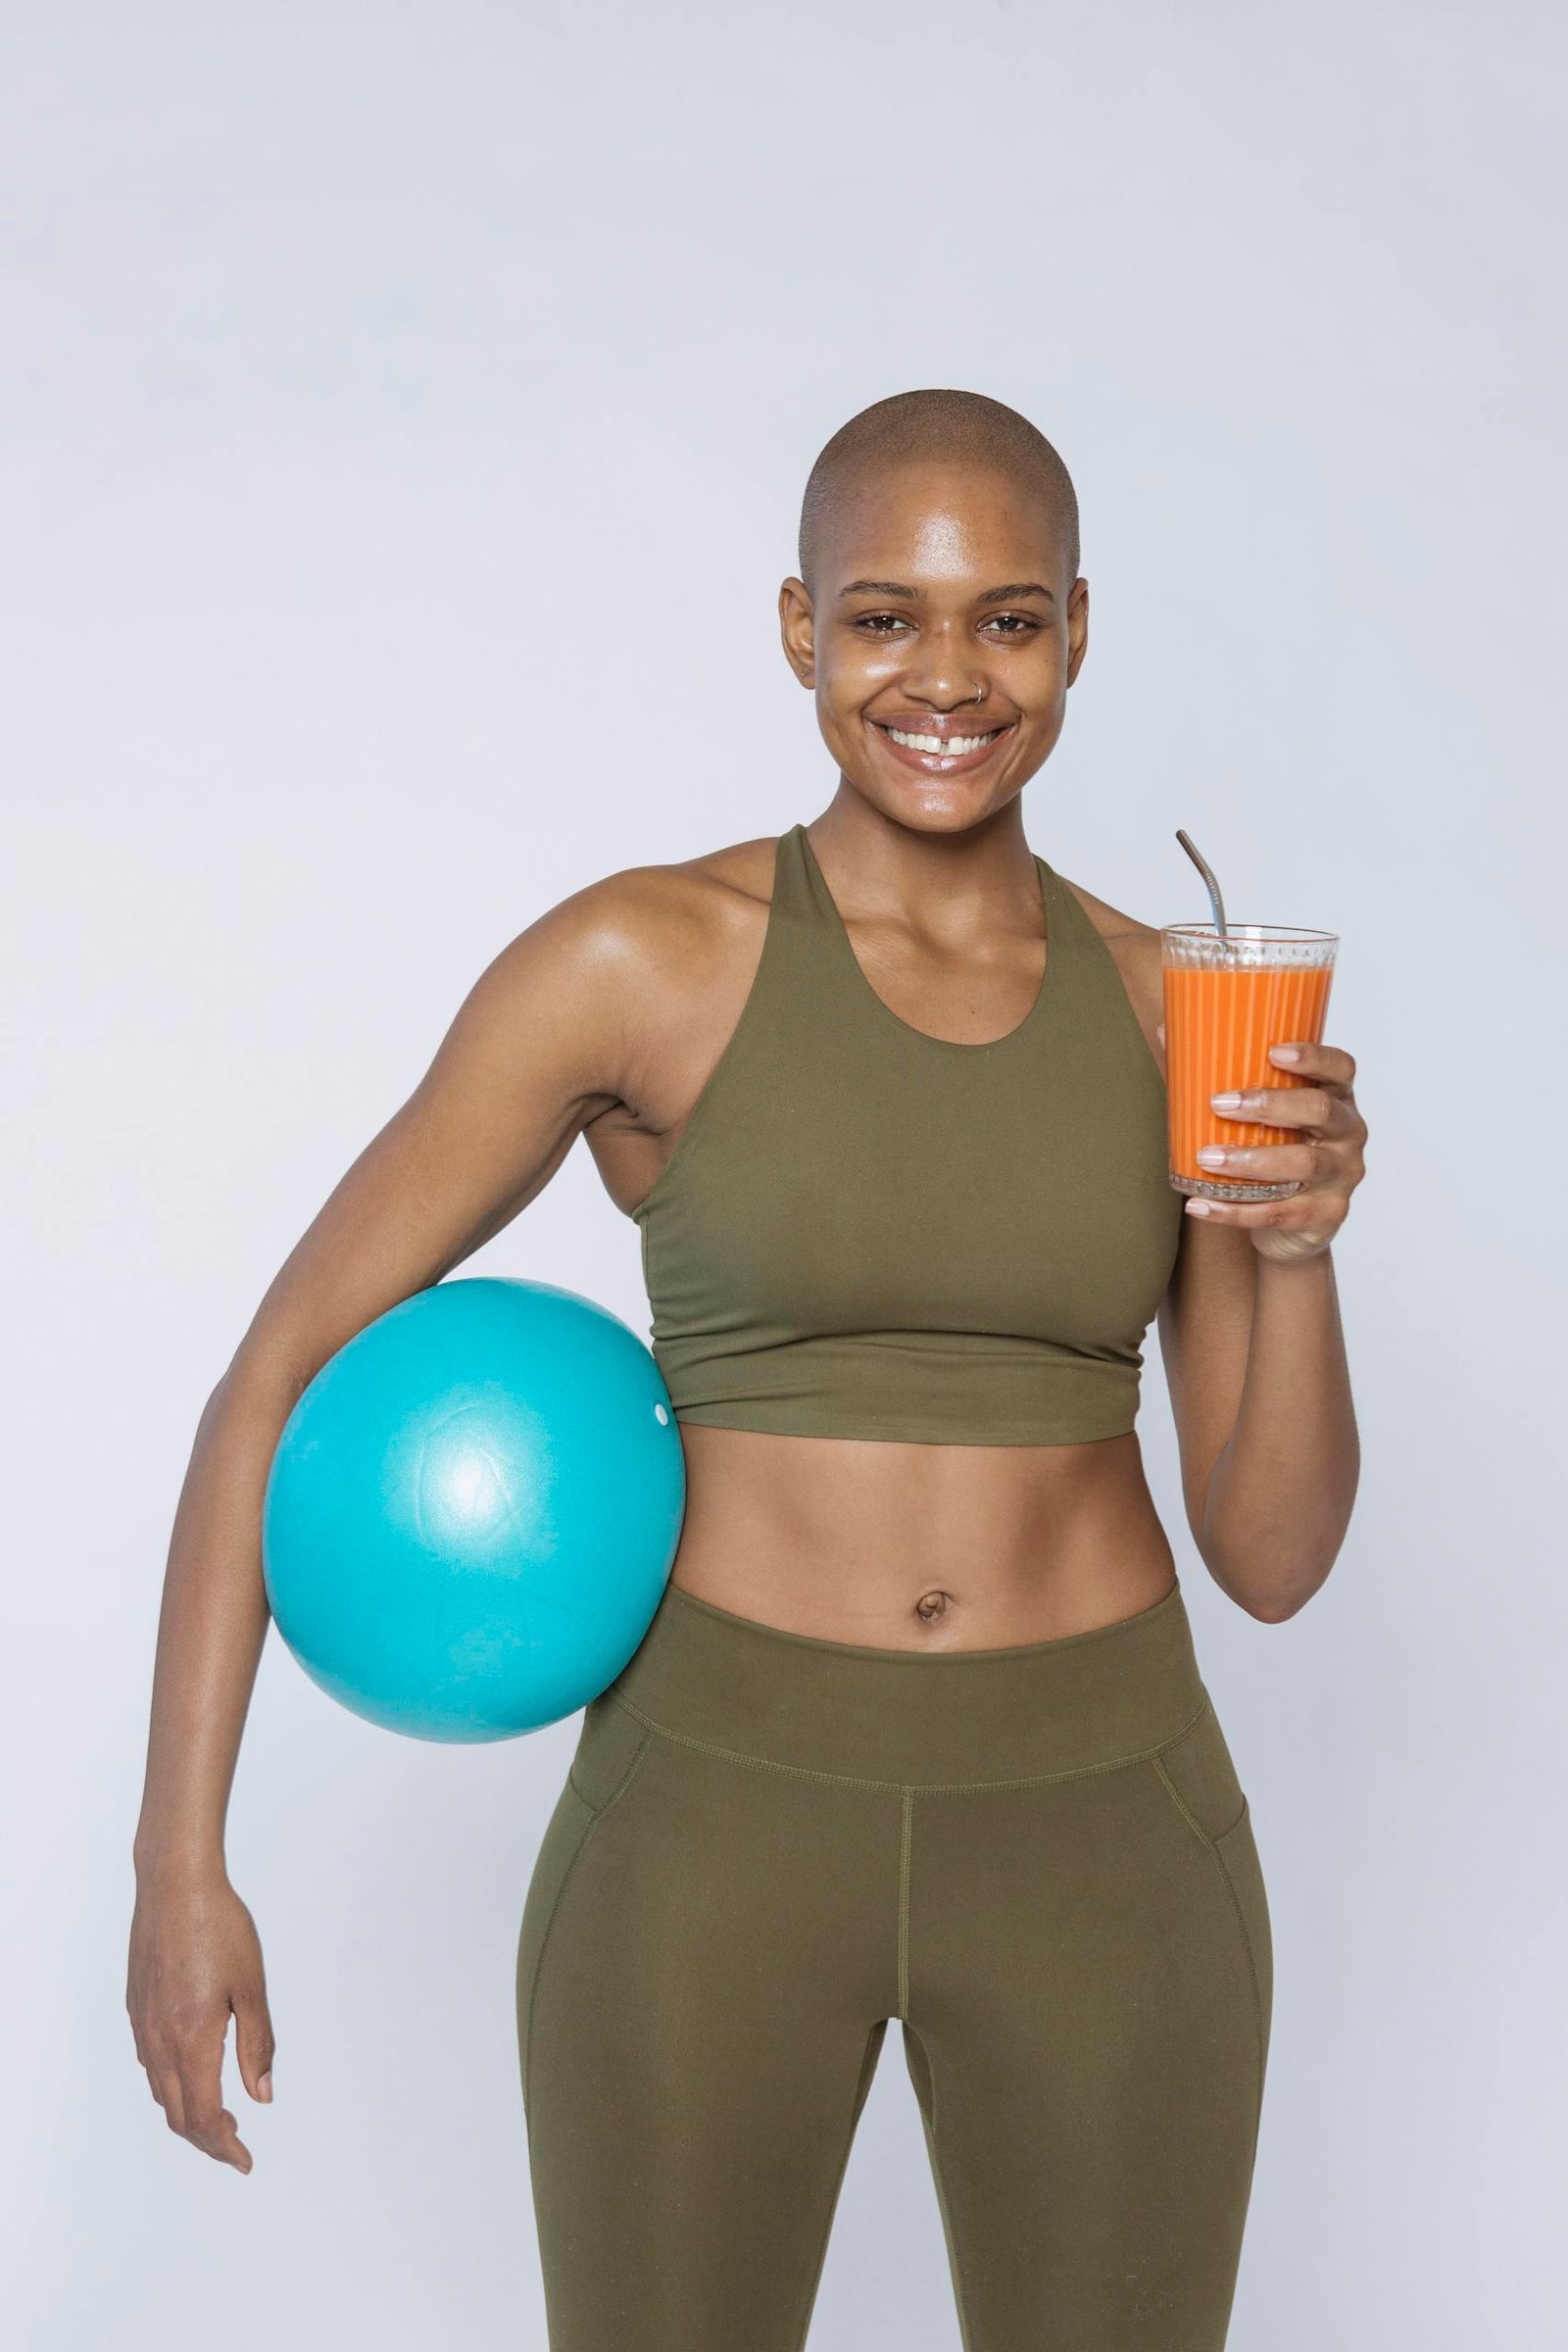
<point x="940" y="764"/>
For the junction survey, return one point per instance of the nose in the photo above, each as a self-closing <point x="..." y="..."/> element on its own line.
<point x="941" y="675"/>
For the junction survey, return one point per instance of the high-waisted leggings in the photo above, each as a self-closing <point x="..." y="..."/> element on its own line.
<point x="1039" y="1859"/>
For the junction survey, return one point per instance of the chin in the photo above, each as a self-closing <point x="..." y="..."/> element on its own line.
<point x="939" y="807"/>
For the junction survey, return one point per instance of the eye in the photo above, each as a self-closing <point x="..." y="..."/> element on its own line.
<point x="878" y="624"/>
<point x="1015" y="624"/>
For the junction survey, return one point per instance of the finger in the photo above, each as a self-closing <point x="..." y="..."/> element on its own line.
<point x="1294" y="1212"/>
<point x="1325" y="1065"/>
<point x="254" y="2045"/>
<point x="1280" y="1106"/>
<point x="167" y="2093"/>
<point x="195" y="2108"/>
<point x="208" y="2124"/>
<point x="1262" y="1163"/>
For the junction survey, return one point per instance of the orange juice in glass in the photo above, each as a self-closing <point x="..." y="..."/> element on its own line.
<point x="1227" y="1000"/>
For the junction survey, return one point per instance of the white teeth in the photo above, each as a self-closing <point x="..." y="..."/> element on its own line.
<point x="955" y="747"/>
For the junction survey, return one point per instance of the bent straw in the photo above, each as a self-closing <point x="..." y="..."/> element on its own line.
<point x="1210" y="884"/>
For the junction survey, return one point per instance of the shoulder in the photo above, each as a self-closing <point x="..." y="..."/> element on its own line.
<point x="631" y="953"/>
<point x="595" y="988"/>
<point x="643" y="916"/>
<point x="1135" y="946"/>
<point x="645" y="920"/>
<point x="1123" y="933"/>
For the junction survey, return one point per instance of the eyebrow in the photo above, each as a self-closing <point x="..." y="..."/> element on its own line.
<point x="1018" y="588"/>
<point x="916" y="595"/>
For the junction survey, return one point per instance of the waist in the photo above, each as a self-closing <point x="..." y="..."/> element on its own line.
<point x="1077" y="1704"/>
<point x="935" y="1546"/>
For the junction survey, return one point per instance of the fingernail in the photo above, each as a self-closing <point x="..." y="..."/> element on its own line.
<point x="264" y="2085"/>
<point x="1196" y="1205"/>
<point x="1213" y="1155"/>
<point x="1285" y="1053"/>
<point x="1230" y="1101"/>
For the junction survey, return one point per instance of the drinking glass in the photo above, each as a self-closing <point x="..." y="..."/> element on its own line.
<point x="1227" y="1000"/>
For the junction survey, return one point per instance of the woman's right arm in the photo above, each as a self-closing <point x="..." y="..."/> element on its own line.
<point x="538" y="1049"/>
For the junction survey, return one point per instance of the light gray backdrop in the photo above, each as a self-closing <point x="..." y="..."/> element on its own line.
<point x="404" y="414"/>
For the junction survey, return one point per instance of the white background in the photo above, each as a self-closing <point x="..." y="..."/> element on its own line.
<point x="405" y="410"/>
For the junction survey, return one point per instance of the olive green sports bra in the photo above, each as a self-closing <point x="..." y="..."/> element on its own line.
<point x="868" y="1232"/>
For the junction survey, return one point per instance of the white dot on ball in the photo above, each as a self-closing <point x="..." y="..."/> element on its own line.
<point x="659" y="1415"/>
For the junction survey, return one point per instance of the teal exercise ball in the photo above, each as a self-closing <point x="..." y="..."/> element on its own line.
<point x="472" y="1511"/>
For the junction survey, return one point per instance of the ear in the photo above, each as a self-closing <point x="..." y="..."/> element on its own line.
<point x="1077" y="627"/>
<point x="797" y="629"/>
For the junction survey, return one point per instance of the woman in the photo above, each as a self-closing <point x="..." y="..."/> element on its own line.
<point x="917" y="1730"/>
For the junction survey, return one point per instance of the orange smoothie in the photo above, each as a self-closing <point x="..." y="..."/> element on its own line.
<point x="1222" y="1013"/>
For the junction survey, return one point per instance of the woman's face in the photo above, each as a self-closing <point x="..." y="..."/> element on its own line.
<point x="942" y="611"/>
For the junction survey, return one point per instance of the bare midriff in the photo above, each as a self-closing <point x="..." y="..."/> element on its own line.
<point x="898" y="1546"/>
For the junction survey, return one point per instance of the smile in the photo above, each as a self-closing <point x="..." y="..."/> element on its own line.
<point x="941" y="754"/>
<point x="954" y="746"/>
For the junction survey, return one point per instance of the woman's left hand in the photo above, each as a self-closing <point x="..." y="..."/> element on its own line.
<point x="1329" y="1161"/>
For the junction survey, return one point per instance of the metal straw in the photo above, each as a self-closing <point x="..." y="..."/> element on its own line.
<point x="1210" y="884"/>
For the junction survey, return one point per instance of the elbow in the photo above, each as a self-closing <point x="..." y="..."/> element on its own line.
<point x="1271" y="1595"/>
<point x="1275" y="1604"/>
<point x="253" y="1390"/>
<point x="1282" y="1592"/>
<point x="1269" y="1577"/>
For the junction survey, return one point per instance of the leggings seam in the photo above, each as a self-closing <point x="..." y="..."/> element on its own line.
<point x="854" y="1780"/>
<point x="906" y="1837"/>
<point x="1187" y="1729"/>
<point x="1212" y="1846"/>
<point x="596" y="1816"/>
<point x="1251" y="1956"/>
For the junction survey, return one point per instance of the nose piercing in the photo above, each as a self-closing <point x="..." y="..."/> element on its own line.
<point x="979" y="694"/>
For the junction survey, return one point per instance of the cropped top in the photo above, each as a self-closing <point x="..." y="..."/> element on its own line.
<point x="865" y="1231"/>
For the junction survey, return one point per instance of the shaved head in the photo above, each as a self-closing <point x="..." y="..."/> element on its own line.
<point x="913" y="429"/>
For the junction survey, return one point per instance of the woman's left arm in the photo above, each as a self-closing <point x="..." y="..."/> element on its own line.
<point x="1254" y="1350"/>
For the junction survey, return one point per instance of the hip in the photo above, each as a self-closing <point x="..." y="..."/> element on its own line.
<point x="974" y="1840"/>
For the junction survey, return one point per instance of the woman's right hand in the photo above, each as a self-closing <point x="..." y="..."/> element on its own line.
<point x="195" y="1960"/>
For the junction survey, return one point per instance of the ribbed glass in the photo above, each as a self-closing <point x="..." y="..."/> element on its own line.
<point x="1226" y="1003"/>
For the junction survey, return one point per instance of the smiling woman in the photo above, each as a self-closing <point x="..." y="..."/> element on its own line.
<point x="917" y="1729"/>
<point x="908" y="1223"/>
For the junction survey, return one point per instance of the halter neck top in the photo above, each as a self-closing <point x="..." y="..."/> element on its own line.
<point x="865" y="1231"/>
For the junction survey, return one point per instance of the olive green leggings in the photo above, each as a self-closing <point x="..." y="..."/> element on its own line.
<point x="1037" y="1860"/>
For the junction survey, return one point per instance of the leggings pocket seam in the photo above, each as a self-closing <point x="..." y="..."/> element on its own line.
<point x="1212" y="1846"/>
<point x="1224" y="1867"/>
<point x="1180" y="1801"/>
<point x="596" y="1814"/>
<point x="621" y="1786"/>
<point x="1193" y="1724"/>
